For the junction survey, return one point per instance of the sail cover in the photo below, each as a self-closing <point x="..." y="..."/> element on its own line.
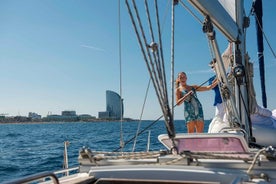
<point x="222" y="14"/>
<point x="229" y="6"/>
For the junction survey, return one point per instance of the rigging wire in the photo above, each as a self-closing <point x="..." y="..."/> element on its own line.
<point x="201" y="23"/>
<point x="162" y="68"/>
<point x="190" y="11"/>
<point x="165" y="15"/>
<point x="266" y="39"/>
<point x="172" y="53"/>
<point x="120" y="63"/>
<point x="148" y="58"/>
<point x="147" y="127"/>
<point x="169" y="115"/>
<point x="160" y="34"/>
<point x="152" y="35"/>
<point x="155" y="54"/>
<point x="140" y="119"/>
<point x="156" y="70"/>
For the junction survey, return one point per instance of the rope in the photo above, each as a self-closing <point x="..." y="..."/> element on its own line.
<point x="220" y="155"/>
<point x="255" y="160"/>
<point x="98" y="156"/>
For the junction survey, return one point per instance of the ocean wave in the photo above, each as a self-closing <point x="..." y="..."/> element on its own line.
<point x="27" y="148"/>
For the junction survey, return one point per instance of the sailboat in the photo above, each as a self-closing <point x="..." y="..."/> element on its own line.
<point x="231" y="154"/>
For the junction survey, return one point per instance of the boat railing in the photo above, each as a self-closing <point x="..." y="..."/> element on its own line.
<point x="41" y="177"/>
<point x="65" y="171"/>
<point x="36" y="177"/>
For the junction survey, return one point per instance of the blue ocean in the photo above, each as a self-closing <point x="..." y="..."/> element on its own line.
<point x="27" y="149"/>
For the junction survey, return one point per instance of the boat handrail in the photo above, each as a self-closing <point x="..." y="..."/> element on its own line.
<point x="66" y="170"/>
<point x="35" y="177"/>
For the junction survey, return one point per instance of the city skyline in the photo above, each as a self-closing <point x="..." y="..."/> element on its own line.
<point x="112" y="110"/>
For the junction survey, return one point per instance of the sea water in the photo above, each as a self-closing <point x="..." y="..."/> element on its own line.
<point x="29" y="148"/>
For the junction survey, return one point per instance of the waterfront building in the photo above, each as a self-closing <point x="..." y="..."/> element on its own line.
<point x="114" y="106"/>
<point x="103" y="115"/>
<point x="86" y="117"/>
<point x="34" y="116"/>
<point x="68" y="113"/>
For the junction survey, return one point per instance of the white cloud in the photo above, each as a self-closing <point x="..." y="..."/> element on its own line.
<point x="92" y="47"/>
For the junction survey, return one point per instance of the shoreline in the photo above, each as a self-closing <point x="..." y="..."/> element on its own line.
<point x="52" y="122"/>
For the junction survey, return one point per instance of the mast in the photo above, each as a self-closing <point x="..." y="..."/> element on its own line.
<point x="232" y="26"/>
<point x="239" y="61"/>
<point x="258" y="10"/>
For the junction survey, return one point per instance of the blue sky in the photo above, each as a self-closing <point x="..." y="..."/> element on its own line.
<point x="63" y="55"/>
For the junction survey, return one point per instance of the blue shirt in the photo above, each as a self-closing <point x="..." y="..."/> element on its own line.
<point x="218" y="98"/>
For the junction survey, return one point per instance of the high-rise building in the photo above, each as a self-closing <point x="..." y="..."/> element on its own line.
<point x="114" y="106"/>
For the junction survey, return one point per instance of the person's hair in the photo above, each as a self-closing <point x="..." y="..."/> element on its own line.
<point x="177" y="81"/>
<point x="176" y="84"/>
